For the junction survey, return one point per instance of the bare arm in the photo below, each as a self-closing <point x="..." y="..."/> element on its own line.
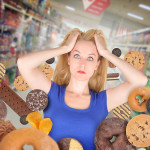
<point x="119" y="95"/>
<point x="28" y="64"/>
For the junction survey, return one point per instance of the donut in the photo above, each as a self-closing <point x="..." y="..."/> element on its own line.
<point x="36" y="100"/>
<point x="109" y="128"/>
<point x="69" y="144"/>
<point x="30" y="136"/>
<point x="138" y="130"/>
<point x="148" y="105"/>
<point x="134" y="99"/>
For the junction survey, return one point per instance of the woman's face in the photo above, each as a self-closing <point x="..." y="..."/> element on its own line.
<point x="83" y="57"/>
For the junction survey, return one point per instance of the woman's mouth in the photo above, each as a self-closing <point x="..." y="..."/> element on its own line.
<point x="81" y="72"/>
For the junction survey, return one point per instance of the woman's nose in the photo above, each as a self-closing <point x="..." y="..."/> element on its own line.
<point x="82" y="66"/>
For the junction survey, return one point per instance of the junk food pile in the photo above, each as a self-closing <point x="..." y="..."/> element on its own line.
<point x="127" y="129"/>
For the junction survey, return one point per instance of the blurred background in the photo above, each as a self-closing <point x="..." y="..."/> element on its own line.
<point x="33" y="25"/>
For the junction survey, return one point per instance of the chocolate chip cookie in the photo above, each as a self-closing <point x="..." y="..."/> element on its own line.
<point x="20" y="84"/>
<point x="135" y="58"/>
<point x="138" y="130"/>
<point x="47" y="70"/>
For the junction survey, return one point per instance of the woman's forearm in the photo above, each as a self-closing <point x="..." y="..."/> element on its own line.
<point x="130" y="73"/>
<point x="34" y="59"/>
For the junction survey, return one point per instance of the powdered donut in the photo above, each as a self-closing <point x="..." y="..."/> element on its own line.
<point x="36" y="100"/>
<point x="3" y="110"/>
<point x="107" y="129"/>
<point x="16" y="139"/>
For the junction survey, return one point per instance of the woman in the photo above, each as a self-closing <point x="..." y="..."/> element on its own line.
<point x="78" y="101"/>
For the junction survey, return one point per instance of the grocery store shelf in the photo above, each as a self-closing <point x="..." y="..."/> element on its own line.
<point x="7" y="27"/>
<point x="132" y="45"/>
<point x="21" y="11"/>
<point x="4" y="51"/>
<point x="15" y="65"/>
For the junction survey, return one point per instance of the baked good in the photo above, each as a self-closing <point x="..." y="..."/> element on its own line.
<point x="30" y="136"/>
<point x="135" y="58"/>
<point x="13" y="100"/>
<point x="123" y="111"/>
<point x="47" y="70"/>
<point x="111" y="65"/>
<point x="69" y="144"/>
<point x="138" y="130"/>
<point x="107" y="129"/>
<point x="3" y="110"/>
<point x="23" y="120"/>
<point x="137" y="99"/>
<point x="5" y="128"/>
<point x="20" y="84"/>
<point x="2" y="70"/>
<point x="117" y="52"/>
<point x="148" y="105"/>
<point x="51" y="60"/>
<point x="37" y="100"/>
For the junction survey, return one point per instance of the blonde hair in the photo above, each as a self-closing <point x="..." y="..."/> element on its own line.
<point x="62" y="72"/>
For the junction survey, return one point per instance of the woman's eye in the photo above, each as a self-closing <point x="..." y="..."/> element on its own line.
<point x="90" y="58"/>
<point x="76" y="56"/>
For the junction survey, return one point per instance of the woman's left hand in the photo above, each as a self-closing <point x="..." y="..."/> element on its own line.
<point x="100" y="44"/>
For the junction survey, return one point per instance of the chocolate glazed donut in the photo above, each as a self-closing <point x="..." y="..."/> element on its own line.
<point x="107" y="129"/>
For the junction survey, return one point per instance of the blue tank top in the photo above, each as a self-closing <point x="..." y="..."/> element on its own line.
<point x="80" y="124"/>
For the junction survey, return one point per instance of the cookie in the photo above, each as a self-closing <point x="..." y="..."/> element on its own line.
<point x="69" y="144"/>
<point x="20" y="84"/>
<point x="47" y="70"/>
<point x="138" y="131"/>
<point x="123" y="111"/>
<point x="135" y="58"/>
<point x="51" y="60"/>
<point x="148" y="105"/>
<point x="23" y="120"/>
<point x="111" y="65"/>
<point x="2" y="70"/>
<point x="112" y="75"/>
<point x="117" y="52"/>
<point x="37" y="100"/>
<point x="3" y="110"/>
<point x="13" y="100"/>
<point x="5" y="128"/>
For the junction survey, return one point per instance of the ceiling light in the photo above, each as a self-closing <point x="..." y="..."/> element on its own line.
<point x="70" y="8"/>
<point x="144" y="6"/>
<point x="135" y="16"/>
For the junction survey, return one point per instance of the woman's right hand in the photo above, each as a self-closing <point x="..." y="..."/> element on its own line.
<point x="70" y="43"/>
